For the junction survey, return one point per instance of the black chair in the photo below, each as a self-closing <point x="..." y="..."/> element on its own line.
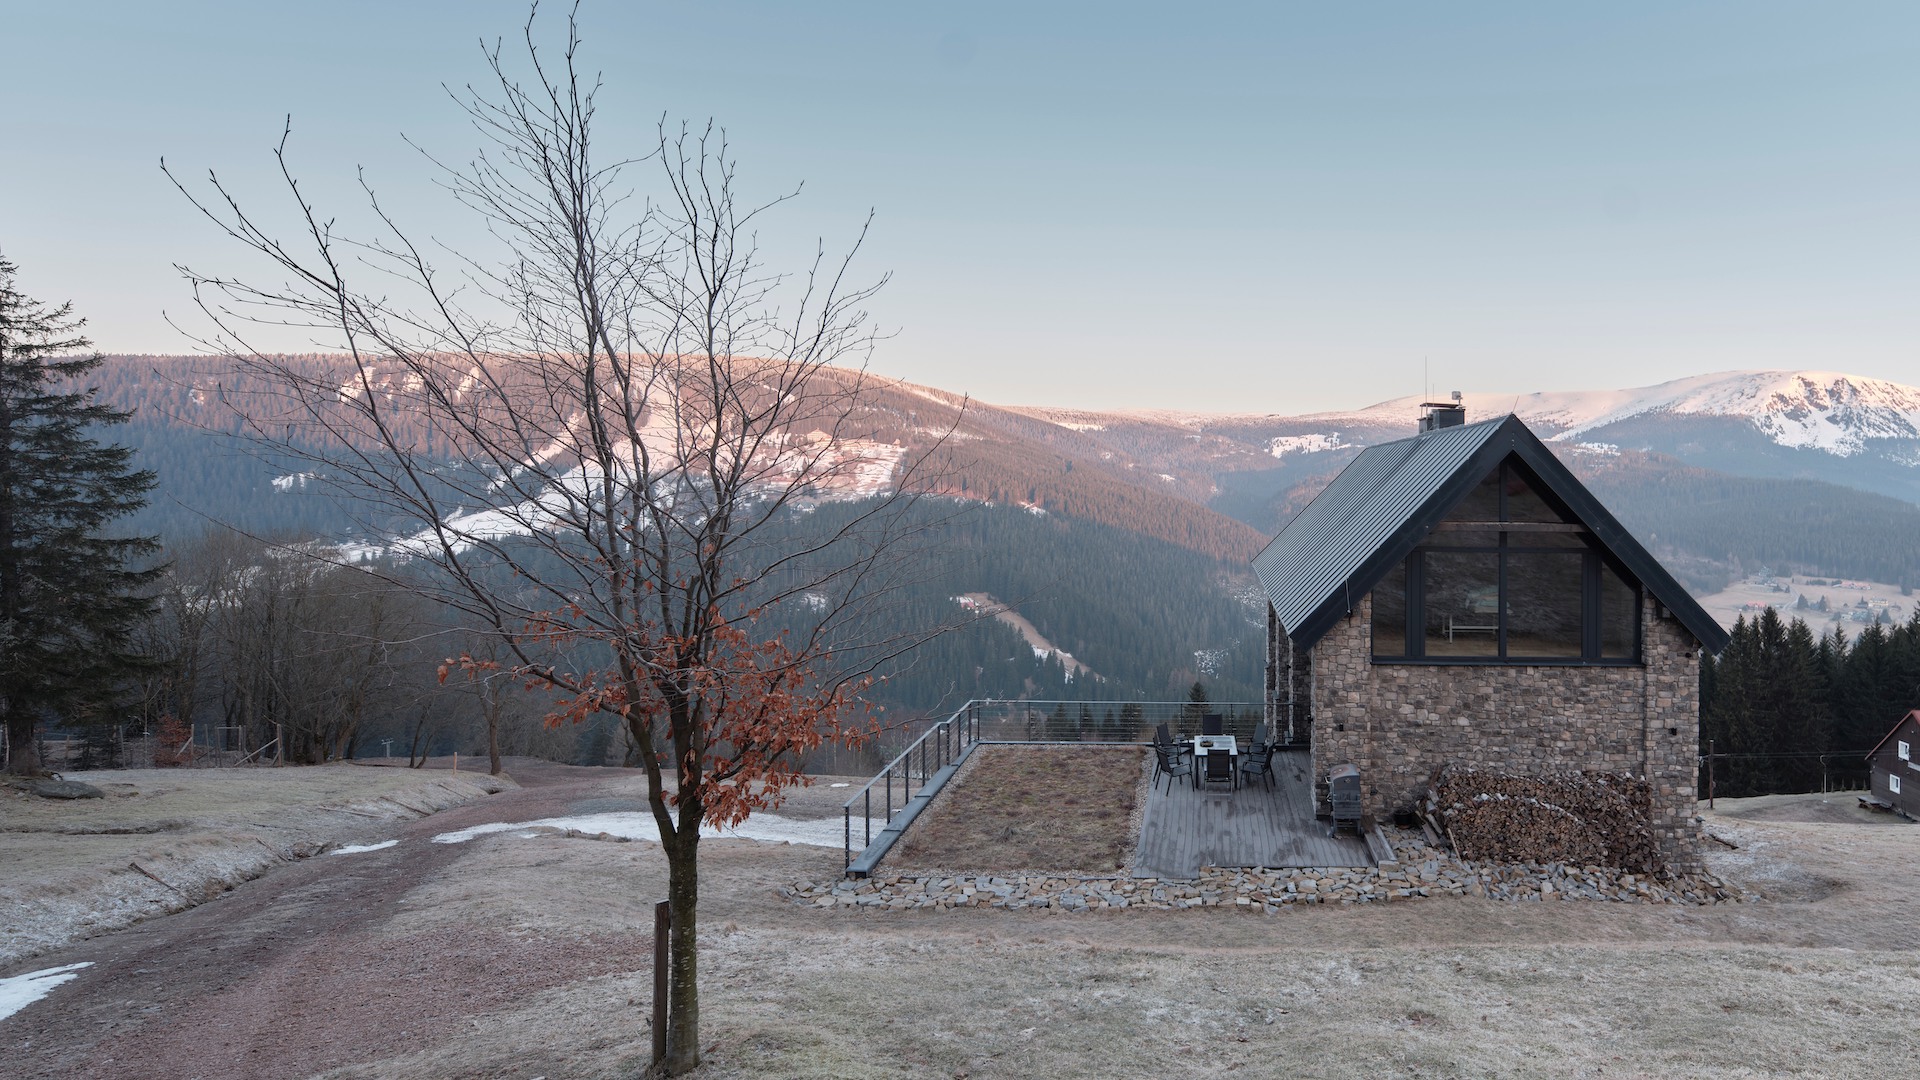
<point x="1160" y="748"/>
<point x="1258" y="761"/>
<point x="1260" y="735"/>
<point x="1169" y="764"/>
<point x="1164" y="737"/>
<point x="1219" y="766"/>
<point x="1213" y="724"/>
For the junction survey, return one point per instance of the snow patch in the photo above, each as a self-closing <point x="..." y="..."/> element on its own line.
<point x="355" y="849"/>
<point x="1209" y="661"/>
<point x="23" y="990"/>
<point x="295" y="482"/>
<point x="824" y="832"/>
<point x="1315" y="443"/>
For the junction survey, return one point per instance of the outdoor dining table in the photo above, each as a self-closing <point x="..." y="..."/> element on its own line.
<point x="1215" y="744"/>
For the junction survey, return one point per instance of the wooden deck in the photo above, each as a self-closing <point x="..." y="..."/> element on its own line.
<point x="1186" y="829"/>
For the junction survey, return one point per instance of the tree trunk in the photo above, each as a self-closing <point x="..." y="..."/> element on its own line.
<point x="683" y="990"/>
<point x="23" y="751"/>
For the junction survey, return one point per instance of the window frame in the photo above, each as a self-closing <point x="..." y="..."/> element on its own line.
<point x="1595" y="562"/>
<point x="1893" y="783"/>
<point x="1905" y="751"/>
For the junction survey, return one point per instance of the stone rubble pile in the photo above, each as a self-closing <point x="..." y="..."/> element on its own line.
<point x="1419" y="872"/>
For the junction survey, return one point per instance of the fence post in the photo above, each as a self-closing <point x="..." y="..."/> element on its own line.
<point x="1709" y="774"/>
<point x="662" y="928"/>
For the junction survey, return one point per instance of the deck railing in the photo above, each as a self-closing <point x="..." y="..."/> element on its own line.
<point x="921" y="766"/>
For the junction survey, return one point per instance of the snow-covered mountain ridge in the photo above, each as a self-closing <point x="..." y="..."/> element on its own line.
<point x="1813" y="410"/>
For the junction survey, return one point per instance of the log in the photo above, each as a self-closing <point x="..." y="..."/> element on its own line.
<point x="1572" y="817"/>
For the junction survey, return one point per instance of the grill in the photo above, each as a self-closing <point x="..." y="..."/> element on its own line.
<point x="1343" y="792"/>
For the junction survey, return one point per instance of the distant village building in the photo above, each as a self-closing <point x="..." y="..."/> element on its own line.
<point x="1895" y="765"/>
<point x="1459" y="597"/>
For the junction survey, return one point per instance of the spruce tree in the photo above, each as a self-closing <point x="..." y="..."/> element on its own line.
<point x="70" y="594"/>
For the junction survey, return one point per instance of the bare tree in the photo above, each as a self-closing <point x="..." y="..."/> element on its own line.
<point x="601" y="439"/>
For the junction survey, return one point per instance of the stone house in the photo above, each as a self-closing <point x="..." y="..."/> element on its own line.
<point x="1460" y="597"/>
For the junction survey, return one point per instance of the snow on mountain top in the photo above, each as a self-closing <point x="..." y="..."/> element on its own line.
<point x="1820" y="410"/>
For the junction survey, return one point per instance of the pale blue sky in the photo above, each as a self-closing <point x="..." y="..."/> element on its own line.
<point x="1249" y="207"/>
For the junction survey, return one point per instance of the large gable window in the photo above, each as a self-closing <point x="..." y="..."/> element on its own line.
<point x="1507" y="577"/>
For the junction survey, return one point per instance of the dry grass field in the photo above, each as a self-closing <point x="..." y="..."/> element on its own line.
<point x="1030" y="808"/>
<point x="1813" y="982"/>
<point x="525" y="955"/>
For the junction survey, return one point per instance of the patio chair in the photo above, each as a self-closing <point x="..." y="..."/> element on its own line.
<point x="1164" y="737"/>
<point x="1258" y="761"/>
<point x="1213" y="723"/>
<point x="1260" y="735"/>
<point x="1220" y="769"/>
<point x="1169" y="764"/>
<point x="1160" y="749"/>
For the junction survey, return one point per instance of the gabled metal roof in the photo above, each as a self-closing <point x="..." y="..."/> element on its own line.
<point x="1386" y="501"/>
<point x="1913" y="715"/>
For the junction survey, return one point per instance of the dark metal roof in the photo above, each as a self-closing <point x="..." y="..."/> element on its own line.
<point x="1913" y="716"/>
<point x="1387" y="499"/>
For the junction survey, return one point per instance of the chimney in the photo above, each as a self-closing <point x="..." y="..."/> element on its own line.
<point x="1441" y="414"/>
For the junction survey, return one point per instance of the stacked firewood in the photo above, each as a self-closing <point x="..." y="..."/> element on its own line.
<point x="1582" y="818"/>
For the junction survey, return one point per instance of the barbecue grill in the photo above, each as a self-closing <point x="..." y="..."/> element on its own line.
<point x="1343" y="792"/>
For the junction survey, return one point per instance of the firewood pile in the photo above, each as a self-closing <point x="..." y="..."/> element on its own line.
<point x="1581" y="818"/>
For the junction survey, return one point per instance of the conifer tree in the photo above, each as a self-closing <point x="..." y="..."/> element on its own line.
<point x="70" y="594"/>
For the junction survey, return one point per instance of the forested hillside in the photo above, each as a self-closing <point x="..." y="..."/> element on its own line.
<point x="1148" y="617"/>
<point x="1783" y="708"/>
<point x="1730" y="522"/>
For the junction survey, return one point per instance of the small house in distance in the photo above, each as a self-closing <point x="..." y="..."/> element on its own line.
<point x="1895" y="764"/>
<point x="1459" y="597"/>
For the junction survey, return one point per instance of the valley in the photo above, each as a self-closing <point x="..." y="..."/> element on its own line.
<point x="1118" y="542"/>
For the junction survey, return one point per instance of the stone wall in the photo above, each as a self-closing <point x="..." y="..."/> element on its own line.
<point x="1398" y="722"/>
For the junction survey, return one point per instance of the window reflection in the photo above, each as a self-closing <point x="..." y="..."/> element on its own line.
<point x="1482" y="503"/>
<point x="1532" y="587"/>
<point x="1543" y="605"/>
<point x="1619" y="616"/>
<point x="1462" y="602"/>
<point x="1524" y="503"/>
<point x="1390" y="614"/>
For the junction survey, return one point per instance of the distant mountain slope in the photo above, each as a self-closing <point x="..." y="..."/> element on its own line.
<point x="186" y="422"/>
<point x="1846" y="429"/>
<point x="1716" y="471"/>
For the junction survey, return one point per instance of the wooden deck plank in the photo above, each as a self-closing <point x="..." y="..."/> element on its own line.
<point x="1185" y="829"/>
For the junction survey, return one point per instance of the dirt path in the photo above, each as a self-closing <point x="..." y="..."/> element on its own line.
<point x="288" y="975"/>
